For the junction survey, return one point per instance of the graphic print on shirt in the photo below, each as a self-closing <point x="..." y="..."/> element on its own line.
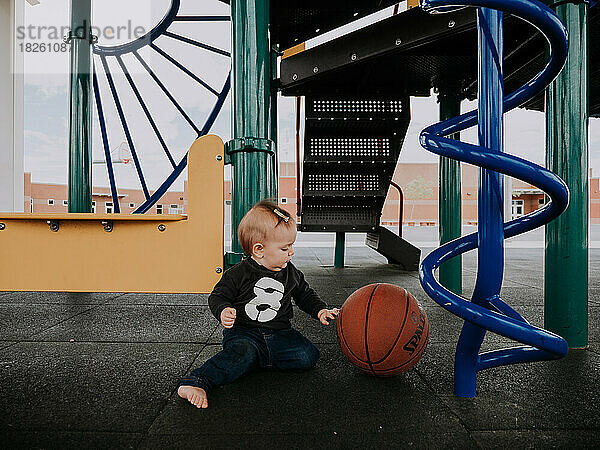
<point x="266" y="304"/>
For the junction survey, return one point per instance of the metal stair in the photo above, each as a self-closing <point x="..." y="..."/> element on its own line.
<point x="395" y="249"/>
<point x="351" y="147"/>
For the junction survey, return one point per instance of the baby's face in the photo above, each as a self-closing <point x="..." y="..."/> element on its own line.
<point x="278" y="251"/>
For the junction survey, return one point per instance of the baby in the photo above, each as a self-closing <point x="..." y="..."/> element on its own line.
<point x="253" y="303"/>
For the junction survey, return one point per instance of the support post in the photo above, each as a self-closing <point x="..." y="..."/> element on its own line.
<point x="251" y="151"/>
<point x="273" y="125"/>
<point x="80" y="116"/>
<point x="449" y="203"/>
<point x="11" y="108"/>
<point x="566" y="254"/>
<point x="340" y="246"/>
<point x="490" y="226"/>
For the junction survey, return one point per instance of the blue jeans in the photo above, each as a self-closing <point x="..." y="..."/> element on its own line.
<point x="246" y="349"/>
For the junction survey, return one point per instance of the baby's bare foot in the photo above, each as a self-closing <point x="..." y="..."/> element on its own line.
<point x="195" y="395"/>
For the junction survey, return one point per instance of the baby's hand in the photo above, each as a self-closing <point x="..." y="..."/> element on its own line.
<point x="325" y="314"/>
<point x="228" y="317"/>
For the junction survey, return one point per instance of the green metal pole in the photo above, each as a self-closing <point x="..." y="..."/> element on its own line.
<point x="273" y="132"/>
<point x="566" y="254"/>
<point x="80" y="117"/>
<point x="251" y="152"/>
<point x="340" y="244"/>
<point x="450" y="218"/>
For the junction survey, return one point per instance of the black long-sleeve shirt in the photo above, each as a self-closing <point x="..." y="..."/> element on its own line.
<point x="262" y="297"/>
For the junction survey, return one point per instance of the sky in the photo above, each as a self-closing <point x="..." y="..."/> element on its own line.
<point x="47" y="95"/>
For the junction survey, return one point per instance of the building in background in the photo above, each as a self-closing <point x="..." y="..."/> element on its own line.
<point x="53" y="198"/>
<point x="419" y="183"/>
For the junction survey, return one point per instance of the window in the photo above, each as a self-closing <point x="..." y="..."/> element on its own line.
<point x="108" y="207"/>
<point x="31" y="201"/>
<point x="93" y="207"/>
<point x="159" y="209"/>
<point x="518" y="207"/>
<point x="173" y="209"/>
<point x="283" y="200"/>
<point x="51" y="201"/>
<point x="65" y="202"/>
<point x="541" y="202"/>
<point x="132" y="205"/>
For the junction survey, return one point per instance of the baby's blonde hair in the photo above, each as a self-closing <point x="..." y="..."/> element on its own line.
<point x="261" y="224"/>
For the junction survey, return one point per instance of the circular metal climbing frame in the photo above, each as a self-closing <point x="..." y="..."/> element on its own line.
<point x="110" y="61"/>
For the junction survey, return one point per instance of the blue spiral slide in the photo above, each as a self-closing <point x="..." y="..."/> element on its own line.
<point x="486" y="310"/>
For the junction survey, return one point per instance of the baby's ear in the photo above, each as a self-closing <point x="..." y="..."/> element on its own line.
<point x="258" y="250"/>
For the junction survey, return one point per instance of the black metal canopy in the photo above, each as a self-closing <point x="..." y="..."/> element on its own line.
<point x="293" y="21"/>
<point x="413" y="52"/>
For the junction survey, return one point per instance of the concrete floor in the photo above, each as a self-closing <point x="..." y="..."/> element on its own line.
<point x="101" y="371"/>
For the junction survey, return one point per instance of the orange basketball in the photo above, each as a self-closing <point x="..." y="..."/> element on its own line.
<point x="382" y="329"/>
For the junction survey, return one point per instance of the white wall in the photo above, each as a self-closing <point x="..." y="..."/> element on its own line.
<point x="11" y="108"/>
<point x="508" y="182"/>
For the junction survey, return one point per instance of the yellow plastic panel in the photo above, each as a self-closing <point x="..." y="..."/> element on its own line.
<point x="136" y="256"/>
<point x="294" y="50"/>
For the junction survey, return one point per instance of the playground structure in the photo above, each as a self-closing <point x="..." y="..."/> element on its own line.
<point x="119" y="242"/>
<point x="486" y="311"/>
<point x="439" y="53"/>
<point x="252" y="152"/>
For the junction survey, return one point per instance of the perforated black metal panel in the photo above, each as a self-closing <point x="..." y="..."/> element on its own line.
<point x="356" y="108"/>
<point x="335" y="184"/>
<point x="350" y="148"/>
<point x="328" y="217"/>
